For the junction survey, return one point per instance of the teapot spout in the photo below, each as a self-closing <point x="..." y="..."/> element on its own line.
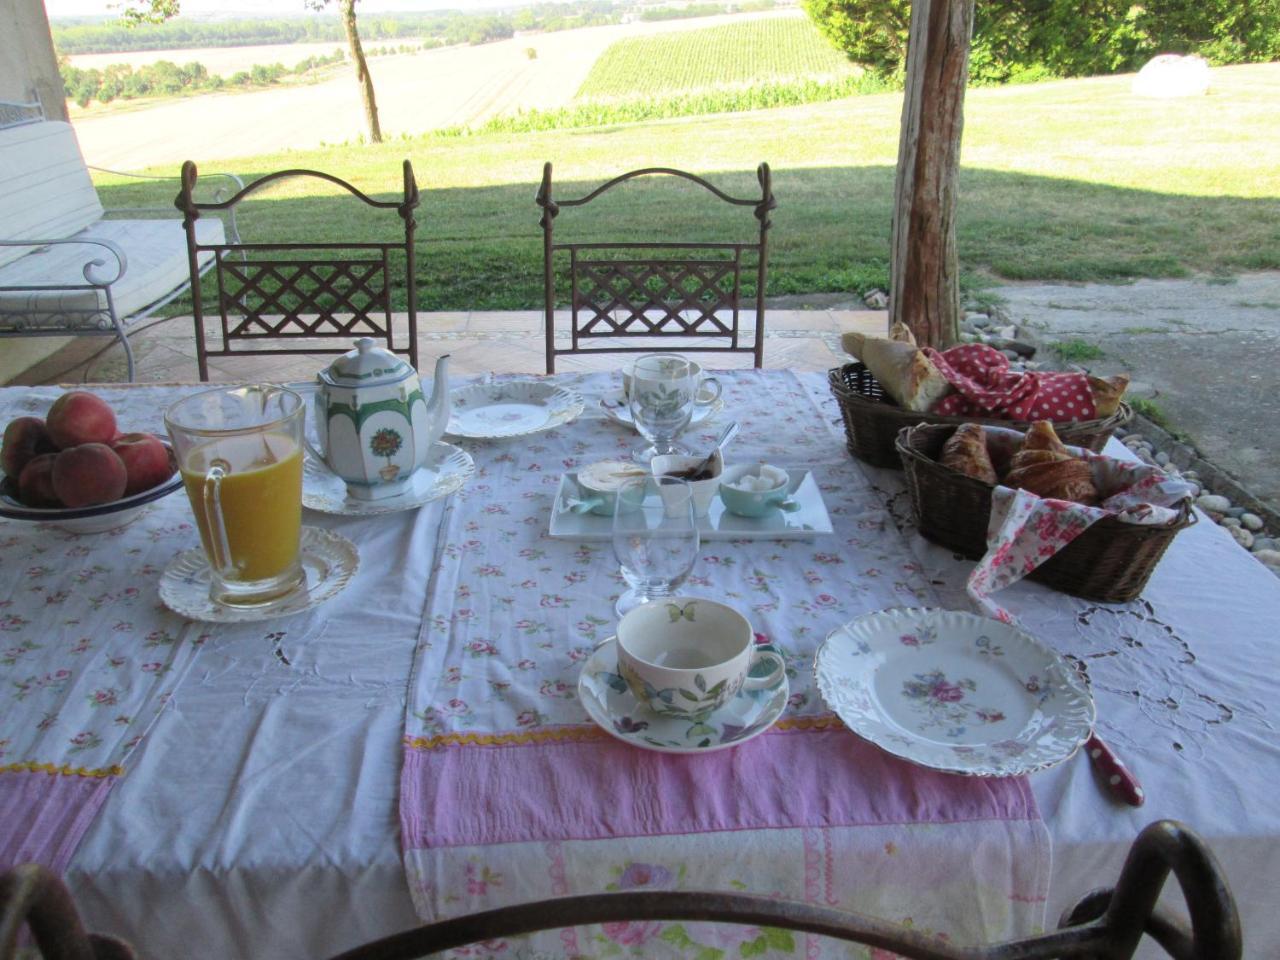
<point x="438" y="407"/>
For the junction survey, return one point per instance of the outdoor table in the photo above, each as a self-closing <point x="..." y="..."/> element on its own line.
<point x="253" y="802"/>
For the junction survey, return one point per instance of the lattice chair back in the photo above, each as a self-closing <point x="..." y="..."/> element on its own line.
<point x="290" y="298"/>
<point x="637" y="295"/>
<point x="1106" y="924"/>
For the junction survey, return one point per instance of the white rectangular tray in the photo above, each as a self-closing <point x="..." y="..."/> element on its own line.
<point x="810" y="520"/>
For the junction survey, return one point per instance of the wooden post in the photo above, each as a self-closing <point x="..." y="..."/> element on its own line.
<point x="924" y="268"/>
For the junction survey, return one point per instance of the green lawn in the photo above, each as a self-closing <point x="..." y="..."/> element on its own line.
<point x="1070" y="180"/>
<point x="750" y="52"/>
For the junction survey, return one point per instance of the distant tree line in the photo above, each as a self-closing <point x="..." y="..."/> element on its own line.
<point x="113" y="36"/>
<point x="1031" y="39"/>
<point x="705" y="10"/>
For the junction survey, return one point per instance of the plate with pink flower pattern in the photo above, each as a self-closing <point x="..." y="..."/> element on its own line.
<point x="955" y="691"/>
<point x="605" y="696"/>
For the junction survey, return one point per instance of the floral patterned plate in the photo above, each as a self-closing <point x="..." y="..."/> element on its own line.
<point x="511" y="408"/>
<point x="604" y="695"/>
<point x="954" y="691"/>
<point x="448" y="470"/>
<point x="329" y="561"/>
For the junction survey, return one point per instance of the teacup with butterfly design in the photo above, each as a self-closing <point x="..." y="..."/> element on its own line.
<point x="687" y="657"/>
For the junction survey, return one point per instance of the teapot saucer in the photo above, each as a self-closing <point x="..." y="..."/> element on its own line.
<point x="447" y="470"/>
<point x="608" y="701"/>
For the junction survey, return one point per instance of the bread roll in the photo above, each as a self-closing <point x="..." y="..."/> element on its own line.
<point x="966" y="452"/>
<point x="1044" y="467"/>
<point x="1107" y="393"/>
<point x="906" y="374"/>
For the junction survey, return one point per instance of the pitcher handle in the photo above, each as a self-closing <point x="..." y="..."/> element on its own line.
<point x="219" y="544"/>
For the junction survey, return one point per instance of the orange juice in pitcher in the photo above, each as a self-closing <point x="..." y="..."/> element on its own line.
<point x="240" y="451"/>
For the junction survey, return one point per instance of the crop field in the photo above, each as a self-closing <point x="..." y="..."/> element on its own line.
<point x="777" y="48"/>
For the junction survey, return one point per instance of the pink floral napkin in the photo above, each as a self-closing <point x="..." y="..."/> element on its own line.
<point x="1026" y="530"/>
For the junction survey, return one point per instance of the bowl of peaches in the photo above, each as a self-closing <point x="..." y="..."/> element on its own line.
<point x="75" y="469"/>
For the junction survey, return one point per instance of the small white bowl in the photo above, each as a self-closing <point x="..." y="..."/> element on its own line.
<point x="704" y="491"/>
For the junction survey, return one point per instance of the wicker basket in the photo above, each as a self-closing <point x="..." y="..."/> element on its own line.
<point x="1110" y="562"/>
<point x="872" y="420"/>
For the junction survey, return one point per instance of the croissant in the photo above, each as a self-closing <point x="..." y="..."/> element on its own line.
<point x="1107" y="393"/>
<point x="904" y="371"/>
<point x="966" y="452"/>
<point x="1044" y="467"/>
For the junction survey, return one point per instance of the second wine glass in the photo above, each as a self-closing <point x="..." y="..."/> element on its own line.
<point x="655" y="538"/>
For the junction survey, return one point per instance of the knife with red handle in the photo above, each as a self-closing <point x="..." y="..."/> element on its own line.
<point x="1118" y="778"/>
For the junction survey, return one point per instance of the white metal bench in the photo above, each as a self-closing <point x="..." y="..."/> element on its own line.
<point x="69" y="267"/>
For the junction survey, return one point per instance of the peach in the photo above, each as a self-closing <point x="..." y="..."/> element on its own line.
<point x="80" y="417"/>
<point x="89" y="474"/>
<point x="35" y="483"/>
<point x="24" y="439"/>
<point x="146" y="461"/>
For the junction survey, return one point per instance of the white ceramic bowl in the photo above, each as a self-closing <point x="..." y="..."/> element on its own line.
<point x="95" y="519"/>
<point x="704" y="491"/>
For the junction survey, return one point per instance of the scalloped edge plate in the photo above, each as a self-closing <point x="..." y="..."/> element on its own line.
<point x="511" y="408"/>
<point x="954" y="691"/>
<point x="329" y="561"/>
<point x="324" y="492"/>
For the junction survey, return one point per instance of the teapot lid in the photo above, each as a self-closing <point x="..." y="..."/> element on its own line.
<point x="366" y="366"/>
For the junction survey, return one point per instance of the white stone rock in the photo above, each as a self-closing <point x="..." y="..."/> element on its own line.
<point x="1243" y="536"/>
<point x="1213" y="503"/>
<point x="1170" y="75"/>
<point x="1231" y="522"/>
<point x="876" y="300"/>
<point x="1251" y="521"/>
<point x="1162" y="458"/>
<point x="1270" y="557"/>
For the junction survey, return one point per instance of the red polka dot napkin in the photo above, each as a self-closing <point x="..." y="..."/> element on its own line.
<point x="986" y="387"/>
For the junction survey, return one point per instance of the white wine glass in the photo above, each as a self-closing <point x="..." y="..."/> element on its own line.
<point x="662" y="397"/>
<point x="655" y="538"/>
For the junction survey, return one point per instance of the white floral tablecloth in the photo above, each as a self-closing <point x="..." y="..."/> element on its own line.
<point x="260" y="813"/>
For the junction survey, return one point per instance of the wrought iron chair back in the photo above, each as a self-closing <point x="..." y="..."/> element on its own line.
<point x="1104" y="924"/>
<point x="637" y="296"/>
<point x="273" y="296"/>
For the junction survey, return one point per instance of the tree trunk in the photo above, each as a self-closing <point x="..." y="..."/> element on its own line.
<point x="348" y="9"/>
<point x="924" y="269"/>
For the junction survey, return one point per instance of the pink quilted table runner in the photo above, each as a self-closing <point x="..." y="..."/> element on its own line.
<point x="509" y="793"/>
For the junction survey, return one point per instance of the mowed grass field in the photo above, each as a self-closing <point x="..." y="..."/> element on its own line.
<point x="749" y="52"/>
<point x="1069" y="180"/>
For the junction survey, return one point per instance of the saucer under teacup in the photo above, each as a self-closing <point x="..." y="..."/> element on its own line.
<point x="609" y="702"/>
<point x="329" y="562"/>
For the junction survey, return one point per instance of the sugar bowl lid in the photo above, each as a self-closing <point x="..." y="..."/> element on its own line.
<point x="367" y="365"/>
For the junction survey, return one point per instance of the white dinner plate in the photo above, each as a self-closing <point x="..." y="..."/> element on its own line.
<point x="608" y="701"/>
<point x="511" y="408"/>
<point x="954" y="691"/>
<point x="448" y="469"/>
<point x="810" y="520"/>
<point x="329" y="561"/>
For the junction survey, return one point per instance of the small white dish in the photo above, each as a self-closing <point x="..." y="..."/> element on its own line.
<point x="614" y="405"/>
<point x="954" y="691"/>
<point x="329" y="561"/>
<point x="511" y="408"/>
<point x="810" y="520"/>
<point x="605" y="696"/>
<point x="448" y="469"/>
<point x="95" y="519"/>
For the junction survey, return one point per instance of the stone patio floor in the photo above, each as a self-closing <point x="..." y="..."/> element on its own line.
<point x="477" y="342"/>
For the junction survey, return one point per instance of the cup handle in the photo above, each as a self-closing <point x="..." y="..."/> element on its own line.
<point x="788" y="505"/>
<point x="582" y="506"/>
<point x="219" y="545"/>
<point x="706" y="383"/>
<point x="776" y="674"/>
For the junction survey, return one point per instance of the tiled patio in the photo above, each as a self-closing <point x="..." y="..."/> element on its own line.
<point x="478" y="342"/>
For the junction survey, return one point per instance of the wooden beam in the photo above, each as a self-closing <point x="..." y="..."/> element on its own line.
<point x="924" y="268"/>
